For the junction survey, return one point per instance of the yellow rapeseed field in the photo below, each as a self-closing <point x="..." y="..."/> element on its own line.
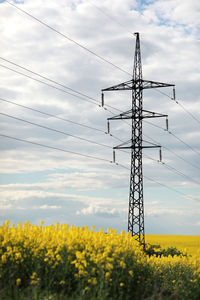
<point x="78" y="262"/>
<point x="187" y="244"/>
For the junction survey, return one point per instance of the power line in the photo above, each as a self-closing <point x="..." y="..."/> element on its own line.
<point x="54" y="148"/>
<point x="89" y="156"/>
<point x="180" y="173"/>
<point x="91" y="100"/>
<point x="172" y="169"/>
<point x="181" y="105"/>
<point x="173" y="152"/>
<point x="161" y="184"/>
<point x="163" y="93"/>
<point x="66" y="37"/>
<point x="111" y="18"/>
<point x="175" y="136"/>
<point x="179" y="139"/>
<point x="52" y="86"/>
<point x="98" y="57"/>
<point x="85" y="48"/>
<point x="46" y="78"/>
<point x="51" y="115"/>
<point x="78" y="96"/>
<point x="62" y="119"/>
<point x="169" y="188"/>
<point x="61" y="132"/>
<point x="187" y="111"/>
<point x="157" y="126"/>
<point x="55" y="130"/>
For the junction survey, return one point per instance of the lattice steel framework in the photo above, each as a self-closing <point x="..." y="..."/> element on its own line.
<point x="136" y="143"/>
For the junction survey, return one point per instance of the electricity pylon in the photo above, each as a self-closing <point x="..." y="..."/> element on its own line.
<point x="136" y="143"/>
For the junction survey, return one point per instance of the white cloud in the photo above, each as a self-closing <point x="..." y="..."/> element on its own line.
<point x="105" y="212"/>
<point x="45" y="206"/>
<point x="170" y="49"/>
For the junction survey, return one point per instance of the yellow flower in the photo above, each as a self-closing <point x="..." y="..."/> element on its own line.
<point x="58" y="257"/>
<point x="18" y="281"/>
<point x="41" y="223"/>
<point x="131" y="273"/>
<point x="121" y="284"/>
<point x="4" y="258"/>
<point x="107" y="274"/>
<point x="93" y="281"/>
<point x="122" y="264"/>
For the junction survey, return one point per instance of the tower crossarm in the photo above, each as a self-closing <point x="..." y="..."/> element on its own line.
<point x="134" y="145"/>
<point x="127" y="85"/>
<point x="124" y="115"/>
<point x="131" y="84"/>
<point x="151" y="114"/>
<point x="147" y="84"/>
<point x="131" y="114"/>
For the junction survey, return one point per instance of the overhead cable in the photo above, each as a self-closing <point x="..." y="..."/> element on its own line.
<point x="173" y="152"/>
<point x="162" y="184"/>
<point x="53" y="148"/>
<point x="51" y="115"/>
<point x="91" y="99"/>
<point x="92" y="157"/>
<point x="179" y="139"/>
<point x="110" y="17"/>
<point x="50" y="85"/>
<point x="181" y="105"/>
<point x="55" y="130"/>
<point x="66" y="37"/>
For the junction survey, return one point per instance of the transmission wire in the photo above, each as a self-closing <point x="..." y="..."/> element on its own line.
<point x="177" y="155"/>
<point x="91" y="100"/>
<point x="111" y="18"/>
<point x="85" y="48"/>
<point x="40" y="81"/>
<point x="55" y="130"/>
<point x="54" y="148"/>
<point x="161" y="184"/>
<point x="109" y="63"/>
<point x="89" y="156"/>
<point x="66" y="37"/>
<point x="51" y="115"/>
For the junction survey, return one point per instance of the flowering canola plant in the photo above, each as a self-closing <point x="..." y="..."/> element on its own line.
<point x="74" y="261"/>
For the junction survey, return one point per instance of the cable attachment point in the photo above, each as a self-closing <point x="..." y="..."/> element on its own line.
<point x="102" y="99"/>
<point x="108" y="127"/>
<point x="174" y="94"/>
<point x="160" y="155"/>
<point x="167" y="124"/>
<point x="114" y="156"/>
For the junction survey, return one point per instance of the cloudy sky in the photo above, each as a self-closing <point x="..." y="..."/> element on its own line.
<point x="53" y="126"/>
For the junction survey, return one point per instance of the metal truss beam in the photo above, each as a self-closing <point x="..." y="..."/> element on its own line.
<point x="130" y="114"/>
<point x="136" y="85"/>
<point x="131" y="84"/>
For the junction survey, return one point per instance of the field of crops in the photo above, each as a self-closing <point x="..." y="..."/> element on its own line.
<point x="63" y="262"/>
<point x="188" y="244"/>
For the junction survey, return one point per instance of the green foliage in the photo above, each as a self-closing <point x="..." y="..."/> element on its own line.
<point x="156" y="250"/>
<point x="57" y="263"/>
<point x="143" y="282"/>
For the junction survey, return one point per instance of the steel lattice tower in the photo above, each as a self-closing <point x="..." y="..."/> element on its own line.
<point x="136" y="143"/>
